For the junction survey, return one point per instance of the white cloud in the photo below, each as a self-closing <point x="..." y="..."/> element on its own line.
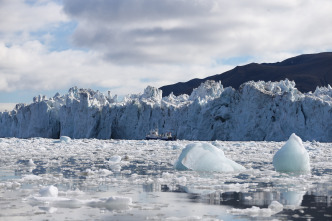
<point x="20" y="17"/>
<point x="195" y="31"/>
<point x="31" y="66"/>
<point x="127" y="45"/>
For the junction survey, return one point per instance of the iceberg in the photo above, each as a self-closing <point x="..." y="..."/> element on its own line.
<point x="292" y="157"/>
<point x="205" y="157"/>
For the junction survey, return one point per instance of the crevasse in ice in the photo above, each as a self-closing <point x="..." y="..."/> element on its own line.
<point x="256" y="111"/>
<point x="205" y="157"/>
<point x="292" y="157"/>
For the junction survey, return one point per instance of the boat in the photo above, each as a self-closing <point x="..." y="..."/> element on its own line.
<point x="154" y="135"/>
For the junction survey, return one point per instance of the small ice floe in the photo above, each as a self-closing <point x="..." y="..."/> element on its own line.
<point x="292" y="157"/>
<point x="49" y="195"/>
<point x="31" y="163"/>
<point x="114" y="159"/>
<point x="205" y="157"/>
<point x="48" y="209"/>
<point x="65" y="139"/>
<point x="114" y="163"/>
<point x="49" y="191"/>
<point x="30" y="177"/>
<point x="274" y="207"/>
<point x="111" y="203"/>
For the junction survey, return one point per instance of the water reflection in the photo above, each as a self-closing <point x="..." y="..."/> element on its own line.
<point x="298" y="203"/>
<point x="315" y="203"/>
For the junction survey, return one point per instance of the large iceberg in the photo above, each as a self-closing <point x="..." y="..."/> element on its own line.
<point x="205" y="157"/>
<point x="257" y="111"/>
<point x="292" y="157"/>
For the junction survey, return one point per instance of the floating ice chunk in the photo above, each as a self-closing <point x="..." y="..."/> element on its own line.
<point x="118" y="203"/>
<point x="31" y="163"/>
<point x="65" y="139"/>
<point x="105" y="172"/>
<point x="58" y="202"/>
<point x="31" y="177"/>
<point x="274" y="207"/>
<point x="10" y="185"/>
<point x="48" y="209"/>
<point x="112" y="203"/>
<point x="292" y="157"/>
<point x="49" y="191"/>
<point x="67" y="203"/>
<point x="114" y="159"/>
<point x="205" y="157"/>
<point x="114" y="163"/>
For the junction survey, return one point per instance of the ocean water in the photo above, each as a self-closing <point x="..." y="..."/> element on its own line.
<point x="136" y="180"/>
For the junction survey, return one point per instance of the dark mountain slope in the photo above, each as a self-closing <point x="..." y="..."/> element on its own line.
<point x="308" y="71"/>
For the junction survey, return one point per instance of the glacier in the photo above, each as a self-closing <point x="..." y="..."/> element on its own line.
<point x="257" y="111"/>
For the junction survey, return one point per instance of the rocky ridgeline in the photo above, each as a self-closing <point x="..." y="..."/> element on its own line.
<point x="257" y="111"/>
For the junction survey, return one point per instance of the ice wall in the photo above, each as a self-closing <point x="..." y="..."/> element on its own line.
<point x="257" y="111"/>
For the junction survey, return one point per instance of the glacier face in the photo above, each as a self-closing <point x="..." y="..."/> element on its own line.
<point x="257" y="111"/>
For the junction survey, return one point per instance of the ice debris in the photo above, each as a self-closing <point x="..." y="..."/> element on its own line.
<point x="65" y="139"/>
<point x="292" y="157"/>
<point x="205" y="157"/>
<point x="31" y="163"/>
<point x="49" y="191"/>
<point x="274" y="207"/>
<point x="112" y="203"/>
<point x="49" y="195"/>
<point x="115" y="159"/>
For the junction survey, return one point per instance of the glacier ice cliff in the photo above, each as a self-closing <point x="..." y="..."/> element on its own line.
<point x="256" y="111"/>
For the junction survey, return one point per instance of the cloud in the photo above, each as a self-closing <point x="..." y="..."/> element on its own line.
<point x="20" y="17"/>
<point x="196" y="31"/>
<point x="31" y="66"/>
<point x="126" y="45"/>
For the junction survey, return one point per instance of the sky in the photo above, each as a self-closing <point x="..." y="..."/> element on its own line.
<point x="49" y="46"/>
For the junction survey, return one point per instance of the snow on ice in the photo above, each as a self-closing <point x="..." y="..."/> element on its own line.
<point x="292" y="157"/>
<point x="269" y="111"/>
<point x="205" y="157"/>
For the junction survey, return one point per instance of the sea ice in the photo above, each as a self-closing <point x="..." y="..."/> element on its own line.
<point x="112" y="203"/>
<point x="205" y="157"/>
<point x="31" y="163"/>
<point x="292" y="157"/>
<point x="274" y="207"/>
<point x="115" y="159"/>
<point x="49" y="191"/>
<point x="65" y="139"/>
<point x="114" y="163"/>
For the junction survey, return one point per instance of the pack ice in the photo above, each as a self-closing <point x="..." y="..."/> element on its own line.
<point x="257" y="111"/>
<point x="205" y="157"/>
<point x="292" y="157"/>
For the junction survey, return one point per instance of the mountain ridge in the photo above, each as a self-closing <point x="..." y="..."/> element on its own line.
<point x="307" y="70"/>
